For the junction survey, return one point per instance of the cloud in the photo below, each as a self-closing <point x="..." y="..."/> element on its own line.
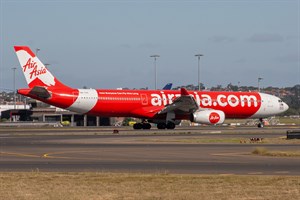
<point x="265" y="38"/>
<point x="221" y="38"/>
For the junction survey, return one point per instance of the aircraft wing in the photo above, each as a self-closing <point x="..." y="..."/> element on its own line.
<point x="148" y="112"/>
<point x="185" y="104"/>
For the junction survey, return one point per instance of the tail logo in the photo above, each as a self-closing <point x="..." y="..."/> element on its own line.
<point x="31" y="65"/>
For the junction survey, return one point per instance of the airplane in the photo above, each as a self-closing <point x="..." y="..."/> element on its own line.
<point x="168" y="86"/>
<point x="166" y="108"/>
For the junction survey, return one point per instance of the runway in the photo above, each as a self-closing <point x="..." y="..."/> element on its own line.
<point x="85" y="150"/>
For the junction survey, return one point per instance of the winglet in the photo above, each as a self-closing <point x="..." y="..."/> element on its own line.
<point x="184" y="92"/>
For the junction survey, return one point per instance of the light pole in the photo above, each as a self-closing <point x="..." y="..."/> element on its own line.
<point x="258" y="81"/>
<point x="155" y="73"/>
<point x="14" y="75"/>
<point x="46" y="65"/>
<point x="36" y="51"/>
<point x="199" y="55"/>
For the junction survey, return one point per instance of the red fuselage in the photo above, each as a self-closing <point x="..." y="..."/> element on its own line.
<point x="146" y="103"/>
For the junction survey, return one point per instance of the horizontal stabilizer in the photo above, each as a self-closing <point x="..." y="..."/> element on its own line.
<point x="40" y="92"/>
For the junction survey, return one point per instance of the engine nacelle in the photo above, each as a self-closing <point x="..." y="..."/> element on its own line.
<point x="208" y="117"/>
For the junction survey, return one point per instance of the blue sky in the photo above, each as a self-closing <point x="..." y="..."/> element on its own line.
<point x="107" y="44"/>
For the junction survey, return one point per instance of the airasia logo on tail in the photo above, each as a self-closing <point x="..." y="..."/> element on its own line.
<point x="214" y="118"/>
<point x="32" y="65"/>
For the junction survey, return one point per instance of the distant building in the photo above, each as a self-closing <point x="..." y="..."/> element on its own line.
<point x="41" y="112"/>
<point x="4" y="107"/>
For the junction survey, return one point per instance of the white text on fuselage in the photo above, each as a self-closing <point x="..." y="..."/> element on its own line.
<point x="205" y="100"/>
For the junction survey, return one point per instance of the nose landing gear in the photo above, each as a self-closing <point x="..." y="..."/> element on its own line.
<point x="261" y="123"/>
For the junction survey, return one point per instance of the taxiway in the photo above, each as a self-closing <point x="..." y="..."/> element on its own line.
<point x="95" y="150"/>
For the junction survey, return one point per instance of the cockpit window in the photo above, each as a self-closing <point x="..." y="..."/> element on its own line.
<point x="280" y="101"/>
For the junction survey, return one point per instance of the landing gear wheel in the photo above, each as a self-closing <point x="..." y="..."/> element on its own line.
<point x="170" y="125"/>
<point x="146" y="126"/>
<point x="161" y="126"/>
<point x="138" y="126"/>
<point x="261" y="123"/>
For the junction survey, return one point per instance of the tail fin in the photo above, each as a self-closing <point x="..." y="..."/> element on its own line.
<point x="168" y="86"/>
<point x="34" y="70"/>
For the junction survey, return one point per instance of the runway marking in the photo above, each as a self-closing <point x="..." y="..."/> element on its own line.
<point x="53" y="155"/>
<point x="46" y="155"/>
<point x="19" y="154"/>
<point x="99" y="156"/>
<point x="226" y="174"/>
<point x="282" y="172"/>
<point x="255" y="173"/>
<point x="231" y="154"/>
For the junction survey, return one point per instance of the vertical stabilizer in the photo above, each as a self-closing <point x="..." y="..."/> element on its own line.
<point x="34" y="70"/>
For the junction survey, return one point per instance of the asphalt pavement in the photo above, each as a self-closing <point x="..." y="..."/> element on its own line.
<point x="100" y="150"/>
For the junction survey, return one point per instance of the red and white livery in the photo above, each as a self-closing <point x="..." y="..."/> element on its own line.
<point x="166" y="108"/>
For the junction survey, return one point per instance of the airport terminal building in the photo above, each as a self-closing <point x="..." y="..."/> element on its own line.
<point x="40" y="112"/>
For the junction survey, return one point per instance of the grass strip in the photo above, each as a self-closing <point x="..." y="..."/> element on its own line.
<point x="93" y="185"/>
<point x="265" y="152"/>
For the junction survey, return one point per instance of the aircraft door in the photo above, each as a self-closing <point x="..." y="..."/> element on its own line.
<point x="144" y="99"/>
<point x="76" y="97"/>
<point x="270" y="102"/>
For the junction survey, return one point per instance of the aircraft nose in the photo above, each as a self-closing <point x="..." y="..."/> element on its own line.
<point x="285" y="107"/>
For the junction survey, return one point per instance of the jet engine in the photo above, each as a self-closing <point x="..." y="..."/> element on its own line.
<point x="208" y="117"/>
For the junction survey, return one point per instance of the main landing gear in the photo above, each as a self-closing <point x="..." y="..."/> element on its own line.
<point x="261" y="123"/>
<point x="160" y="125"/>
<point x="143" y="125"/>
<point x="169" y="125"/>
